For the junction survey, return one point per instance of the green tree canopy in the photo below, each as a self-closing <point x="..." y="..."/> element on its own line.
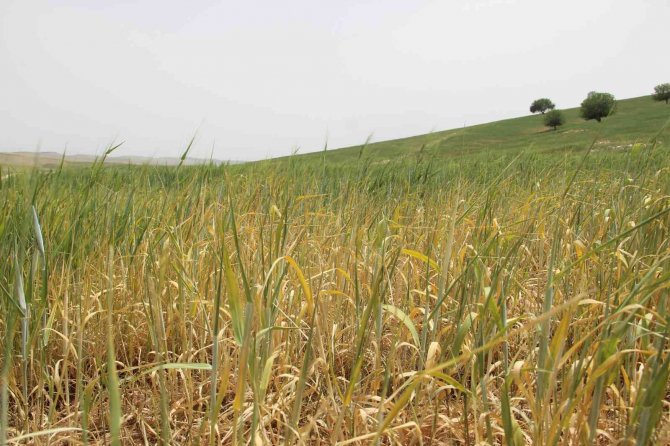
<point x="662" y="92"/>
<point x="541" y="105"/>
<point x="554" y="118"/>
<point x="597" y="106"/>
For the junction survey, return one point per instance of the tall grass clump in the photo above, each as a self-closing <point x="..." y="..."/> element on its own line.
<point x="490" y="298"/>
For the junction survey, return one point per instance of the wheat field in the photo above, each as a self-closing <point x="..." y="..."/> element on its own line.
<point x="487" y="299"/>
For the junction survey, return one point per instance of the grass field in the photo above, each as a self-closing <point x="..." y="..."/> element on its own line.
<point x="504" y="285"/>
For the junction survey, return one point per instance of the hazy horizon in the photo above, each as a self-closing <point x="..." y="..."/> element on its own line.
<point x="261" y="79"/>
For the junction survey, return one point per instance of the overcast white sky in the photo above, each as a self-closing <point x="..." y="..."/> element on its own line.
<point x="260" y="78"/>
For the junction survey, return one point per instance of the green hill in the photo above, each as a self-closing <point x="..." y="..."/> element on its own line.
<point x="635" y="120"/>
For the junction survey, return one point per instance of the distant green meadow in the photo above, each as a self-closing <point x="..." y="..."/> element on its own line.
<point x="635" y="120"/>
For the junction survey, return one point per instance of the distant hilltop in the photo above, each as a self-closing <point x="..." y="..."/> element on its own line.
<point x="52" y="159"/>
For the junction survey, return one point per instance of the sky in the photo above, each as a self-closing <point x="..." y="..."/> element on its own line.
<point x="257" y="79"/>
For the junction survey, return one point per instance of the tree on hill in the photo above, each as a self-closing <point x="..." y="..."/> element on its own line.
<point x="554" y="118"/>
<point x="541" y="105"/>
<point x="597" y="106"/>
<point x="662" y="92"/>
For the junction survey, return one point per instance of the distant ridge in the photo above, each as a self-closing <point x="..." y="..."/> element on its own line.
<point x="53" y="159"/>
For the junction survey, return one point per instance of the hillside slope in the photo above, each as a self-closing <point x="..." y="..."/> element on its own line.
<point x="636" y="120"/>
